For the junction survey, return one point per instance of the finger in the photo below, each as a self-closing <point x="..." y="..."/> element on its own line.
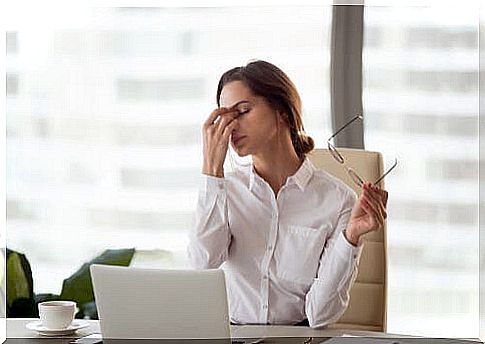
<point x="376" y="189"/>
<point x="225" y="119"/>
<point x="376" y="208"/>
<point x="212" y="117"/>
<point x="222" y="124"/>
<point x="230" y="113"/>
<point x="375" y="195"/>
<point x="370" y="202"/>
<point x="385" y="197"/>
<point x="377" y="219"/>
<point x="214" y="114"/>
<point x="371" y="190"/>
<point x="380" y="204"/>
<point x="234" y="107"/>
<point x="364" y="206"/>
<point x="229" y="129"/>
<point x="374" y="222"/>
<point x="383" y="193"/>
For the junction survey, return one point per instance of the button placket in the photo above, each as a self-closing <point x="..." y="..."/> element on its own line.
<point x="267" y="259"/>
<point x="268" y="255"/>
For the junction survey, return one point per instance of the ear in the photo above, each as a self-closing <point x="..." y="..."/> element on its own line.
<point x="282" y="118"/>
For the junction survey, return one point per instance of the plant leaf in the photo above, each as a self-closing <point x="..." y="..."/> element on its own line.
<point x="79" y="288"/>
<point x="20" y="289"/>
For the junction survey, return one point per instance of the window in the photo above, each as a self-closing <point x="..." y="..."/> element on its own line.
<point x="421" y="105"/>
<point x="12" y="42"/>
<point x="105" y="151"/>
<point x="12" y="84"/>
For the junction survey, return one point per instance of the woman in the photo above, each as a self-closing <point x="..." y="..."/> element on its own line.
<point x="287" y="235"/>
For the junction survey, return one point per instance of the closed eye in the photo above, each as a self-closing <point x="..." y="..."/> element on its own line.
<point x="242" y="112"/>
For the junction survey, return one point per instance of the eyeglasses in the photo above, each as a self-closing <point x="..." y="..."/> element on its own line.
<point x="353" y="175"/>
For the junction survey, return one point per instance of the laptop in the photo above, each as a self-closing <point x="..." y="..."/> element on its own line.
<point x="135" y="303"/>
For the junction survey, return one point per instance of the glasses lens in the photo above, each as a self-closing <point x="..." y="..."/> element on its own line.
<point x="335" y="154"/>
<point x="355" y="177"/>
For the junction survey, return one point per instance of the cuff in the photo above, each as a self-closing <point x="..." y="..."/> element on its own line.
<point x="212" y="185"/>
<point x="346" y="250"/>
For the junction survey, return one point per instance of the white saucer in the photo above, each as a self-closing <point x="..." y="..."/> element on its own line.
<point x="44" y="331"/>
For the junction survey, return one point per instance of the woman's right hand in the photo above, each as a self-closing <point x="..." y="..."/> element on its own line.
<point x="216" y="132"/>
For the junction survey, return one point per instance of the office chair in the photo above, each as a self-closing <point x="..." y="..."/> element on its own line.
<point x="368" y="296"/>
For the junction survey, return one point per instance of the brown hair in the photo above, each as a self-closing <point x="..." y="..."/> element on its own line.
<point x="268" y="81"/>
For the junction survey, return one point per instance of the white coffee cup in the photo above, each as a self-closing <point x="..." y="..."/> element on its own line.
<point x="57" y="314"/>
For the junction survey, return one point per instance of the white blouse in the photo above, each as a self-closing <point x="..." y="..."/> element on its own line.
<point x="285" y="258"/>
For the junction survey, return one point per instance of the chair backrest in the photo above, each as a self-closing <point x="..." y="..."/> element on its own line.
<point x="368" y="296"/>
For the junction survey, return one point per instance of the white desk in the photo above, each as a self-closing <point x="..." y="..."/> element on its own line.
<point x="16" y="330"/>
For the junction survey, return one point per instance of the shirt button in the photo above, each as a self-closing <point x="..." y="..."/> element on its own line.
<point x="270" y="248"/>
<point x="265" y="306"/>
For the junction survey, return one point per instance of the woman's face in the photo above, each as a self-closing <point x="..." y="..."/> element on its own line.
<point x="258" y="122"/>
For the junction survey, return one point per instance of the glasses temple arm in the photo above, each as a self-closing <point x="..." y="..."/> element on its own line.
<point x="387" y="172"/>
<point x="345" y="125"/>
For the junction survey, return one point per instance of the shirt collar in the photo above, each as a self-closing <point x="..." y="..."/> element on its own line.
<point x="304" y="174"/>
<point x="301" y="177"/>
<point x="252" y="176"/>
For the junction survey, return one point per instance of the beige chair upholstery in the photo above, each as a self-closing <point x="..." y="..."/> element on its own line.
<point x="367" y="307"/>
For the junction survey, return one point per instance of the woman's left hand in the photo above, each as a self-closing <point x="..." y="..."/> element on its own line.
<point x="368" y="214"/>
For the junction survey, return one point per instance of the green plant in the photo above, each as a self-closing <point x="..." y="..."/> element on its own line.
<point x="22" y="302"/>
<point x="20" y="290"/>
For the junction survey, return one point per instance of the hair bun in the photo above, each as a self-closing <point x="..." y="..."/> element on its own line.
<point x="307" y="143"/>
